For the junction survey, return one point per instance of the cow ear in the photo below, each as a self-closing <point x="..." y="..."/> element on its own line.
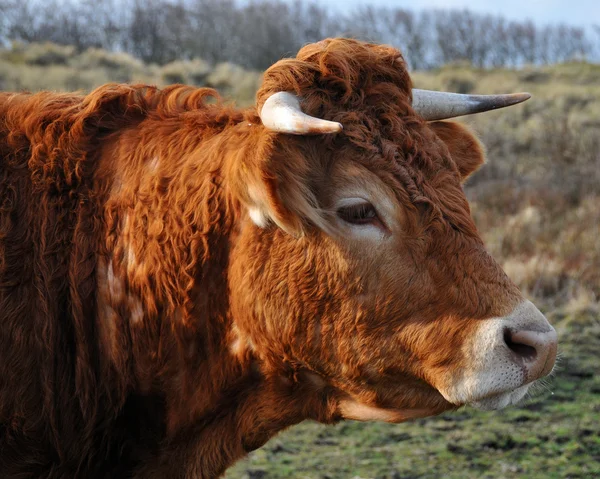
<point x="273" y="184"/>
<point x="464" y="147"/>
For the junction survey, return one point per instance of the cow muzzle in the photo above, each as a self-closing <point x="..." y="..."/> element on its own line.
<point x="503" y="359"/>
<point x="534" y="350"/>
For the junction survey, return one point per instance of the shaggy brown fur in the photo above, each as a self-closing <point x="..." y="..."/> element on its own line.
<point x="150" y="329"/>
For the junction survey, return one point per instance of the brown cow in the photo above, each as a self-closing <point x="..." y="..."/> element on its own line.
<point x="180" y="280"/>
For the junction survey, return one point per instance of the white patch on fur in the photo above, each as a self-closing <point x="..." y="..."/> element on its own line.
<point x="153" y="164"/>
<point x="257" y="212"/>
<point x="136" y="309"/>
<point x="116" y="187"/>
<point x="238" y="344"/>
<point x="107" y="316"/>
<point x="115" y="285"/>
<point x="236" y="347"/>
<point x="132" y="264"/>
<point x="131" y="260"/>
<point x="110" y="294"/>
<point x="353" y="409"/>
<point x="493" y="379"/>
<point x="259" y="218"/>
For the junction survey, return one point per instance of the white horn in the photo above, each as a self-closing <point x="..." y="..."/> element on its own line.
<point x="437" y="105"/>
<point x="282" y="113"/>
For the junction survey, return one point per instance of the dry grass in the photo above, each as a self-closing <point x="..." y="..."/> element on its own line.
<point x="537" y="201"/>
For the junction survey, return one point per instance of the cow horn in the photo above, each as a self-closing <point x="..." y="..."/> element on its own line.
<point x="281" y="112"/>
<point x="438" y="105"/>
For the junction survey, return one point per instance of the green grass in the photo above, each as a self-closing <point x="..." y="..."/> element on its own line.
<point x="555" y="433"/>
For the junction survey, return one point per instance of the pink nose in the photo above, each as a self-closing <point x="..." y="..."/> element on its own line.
<point x="535" y="350"/>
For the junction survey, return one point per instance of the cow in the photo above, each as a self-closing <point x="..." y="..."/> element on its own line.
<point x="180" y="280"/>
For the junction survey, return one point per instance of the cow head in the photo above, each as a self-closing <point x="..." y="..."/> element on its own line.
<point x="358" y="261"/>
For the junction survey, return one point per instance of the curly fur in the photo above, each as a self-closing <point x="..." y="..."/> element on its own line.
<point x="144" y="329"/>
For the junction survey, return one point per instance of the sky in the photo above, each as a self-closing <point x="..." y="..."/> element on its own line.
<point x="572" y="12"/>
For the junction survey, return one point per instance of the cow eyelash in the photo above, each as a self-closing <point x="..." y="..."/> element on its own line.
<point x="358" y="214"/>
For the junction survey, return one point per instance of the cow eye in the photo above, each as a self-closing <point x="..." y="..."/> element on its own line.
<point x="358" y="214"/>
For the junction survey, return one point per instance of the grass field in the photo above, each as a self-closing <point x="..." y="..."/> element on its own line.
<point x="537" y="205"/>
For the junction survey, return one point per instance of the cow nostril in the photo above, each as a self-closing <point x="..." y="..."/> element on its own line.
<point x="517" y="343"/>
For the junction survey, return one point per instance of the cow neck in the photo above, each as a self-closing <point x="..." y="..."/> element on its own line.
<point x="221" y="394"/>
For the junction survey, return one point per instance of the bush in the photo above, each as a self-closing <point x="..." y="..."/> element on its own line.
<point x="194" y="72"/>
<point x="46" y="54"/>
<point x="119" y="67"/>
<point x="233" y="81"/>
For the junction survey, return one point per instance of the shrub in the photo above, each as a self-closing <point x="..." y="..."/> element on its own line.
<point x="119" y="67"/>
<point x="233" y="81"/>
<point x="45" y="54"/>
<point x="194" y="72"/>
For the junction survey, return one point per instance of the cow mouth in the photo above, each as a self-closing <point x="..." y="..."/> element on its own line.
<point x="501" y="400"/>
